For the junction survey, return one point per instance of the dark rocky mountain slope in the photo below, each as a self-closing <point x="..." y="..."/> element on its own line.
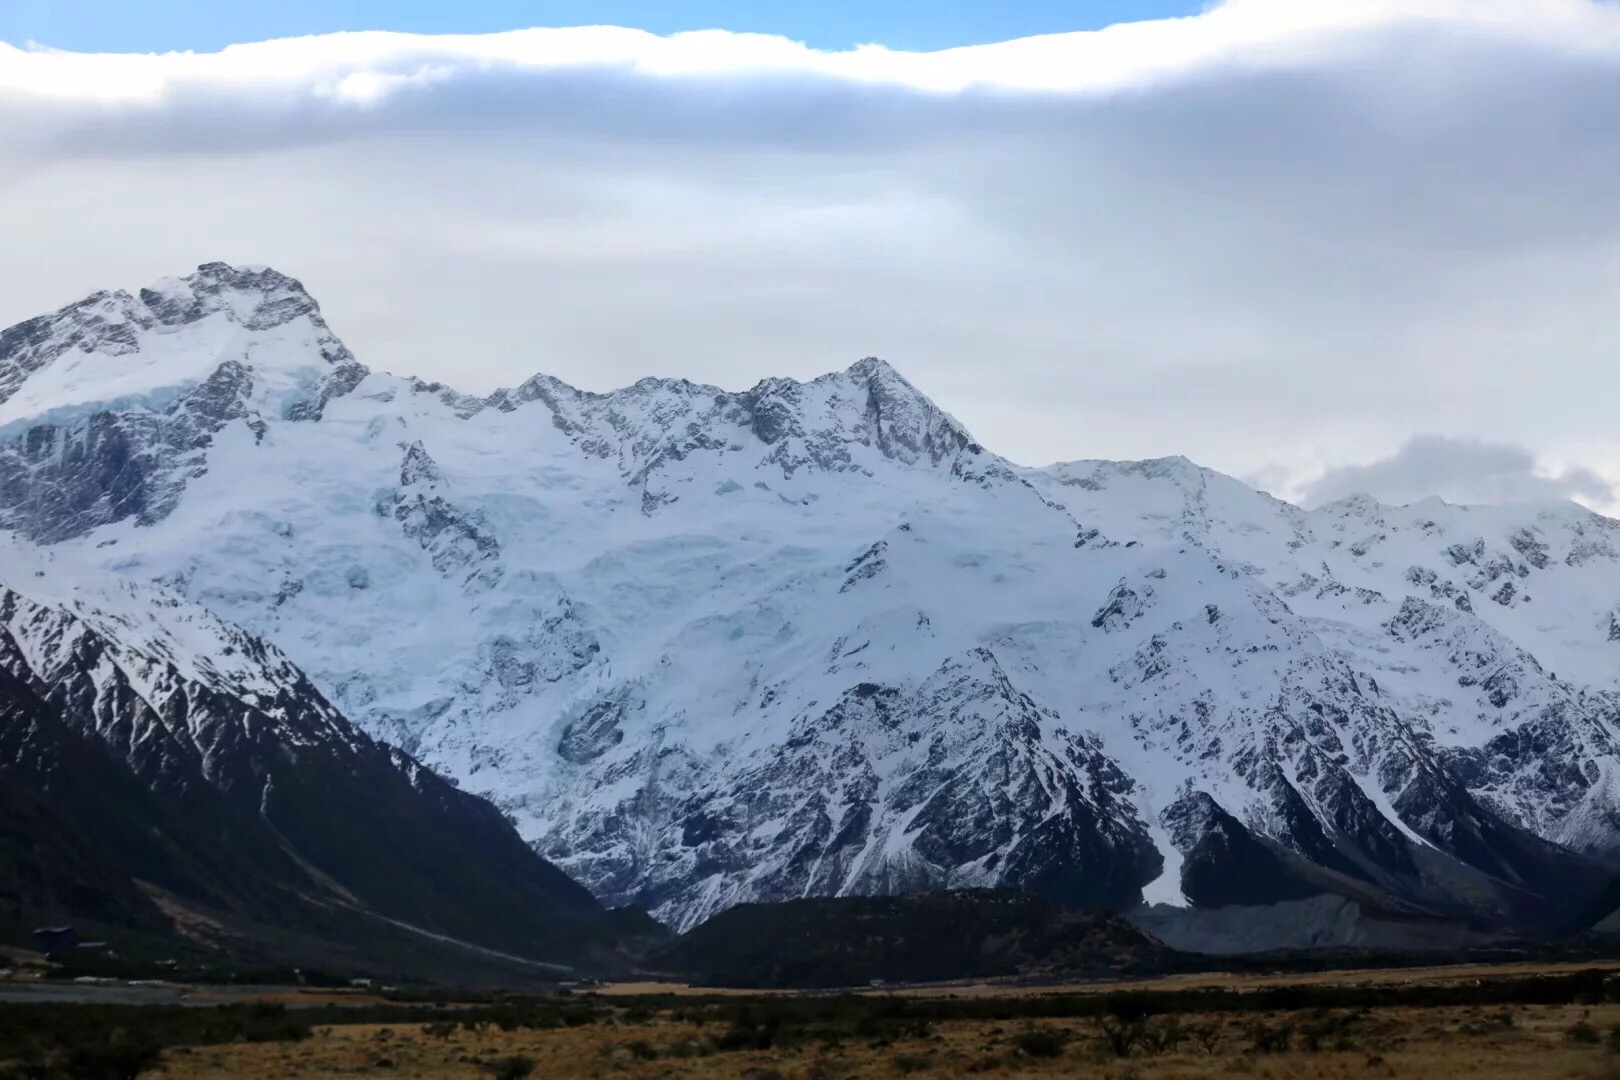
<point x="920" y="937"/>
<point x="167" y="773"/>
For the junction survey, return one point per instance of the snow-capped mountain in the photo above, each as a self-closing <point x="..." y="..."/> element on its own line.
<point x="110" y="404"/>
<point x="193" y="767"/>
<point x="811" y="638"/>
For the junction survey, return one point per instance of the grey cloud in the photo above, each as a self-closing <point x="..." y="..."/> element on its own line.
<point x="1418" y="230"/>
<point x="1459" y="470"/>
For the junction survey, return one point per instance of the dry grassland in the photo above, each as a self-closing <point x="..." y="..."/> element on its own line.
<point x="1437" y="974"/>
<point x="1478" y="1042"/>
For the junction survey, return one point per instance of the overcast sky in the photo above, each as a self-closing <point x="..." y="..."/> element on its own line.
<point x="1326" y="245"/>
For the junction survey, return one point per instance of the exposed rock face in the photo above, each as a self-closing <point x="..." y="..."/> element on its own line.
<point x="194" y="758"/>
<point x="948" y="786"/>
<point x="183" y="360"/>
<point x="711" y="646"/>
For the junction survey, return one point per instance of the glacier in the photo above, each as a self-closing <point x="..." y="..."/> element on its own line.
<point x="709" y="646"/>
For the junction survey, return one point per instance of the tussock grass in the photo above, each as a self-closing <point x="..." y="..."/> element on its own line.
<point x="1561" y="1024"/>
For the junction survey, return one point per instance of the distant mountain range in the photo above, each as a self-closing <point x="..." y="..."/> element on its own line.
<point x="710" y="647"/>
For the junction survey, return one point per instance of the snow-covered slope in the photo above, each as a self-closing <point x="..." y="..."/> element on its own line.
<point x="210" y="770"/>
<point x="711" y="646"/>
<point x="109" y="405"/>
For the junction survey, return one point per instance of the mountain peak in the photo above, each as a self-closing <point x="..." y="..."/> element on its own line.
<point x="151" y="379"/>
<point x="816" y="423"/>
<point x="1358" y="503"/>
<point x="255" y="297"/>
<point x="871" y="367"/>
<point x="117" y="350"/>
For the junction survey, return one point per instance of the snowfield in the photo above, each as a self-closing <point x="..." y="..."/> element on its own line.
<point x="710" y="646"/>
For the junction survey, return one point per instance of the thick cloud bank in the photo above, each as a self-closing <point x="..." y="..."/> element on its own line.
<point x="1461" y="471"/>
<point x="1282" y="235"/>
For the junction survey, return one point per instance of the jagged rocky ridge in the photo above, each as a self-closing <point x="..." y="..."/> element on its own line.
<point x="249" y="346"/>
<point x="811" y="638"/>
<point x="177" y="775"/>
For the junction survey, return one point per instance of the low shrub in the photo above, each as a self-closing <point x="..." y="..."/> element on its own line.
<point x="1042" y="1042"/>
<point x="1265" y="1038"/>
<point x="1583" y="1033"/>
<point x="910" y="1063"/>
<point x="515" y="1067"/>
